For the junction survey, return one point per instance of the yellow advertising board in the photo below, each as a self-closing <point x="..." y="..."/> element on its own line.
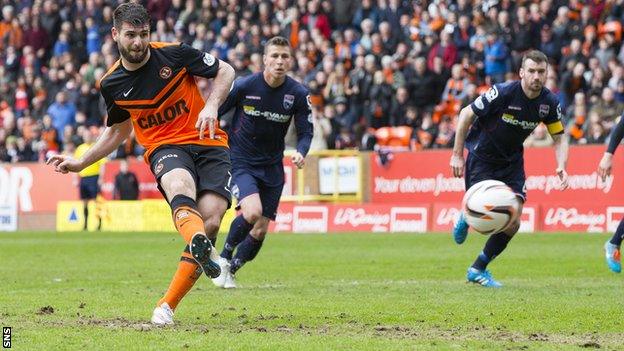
<point x="123" y="216"/>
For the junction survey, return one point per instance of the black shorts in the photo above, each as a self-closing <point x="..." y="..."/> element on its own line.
<point x="511" y="174"/>
<point x="89" y="187"/>
<point x="210" y="167"/>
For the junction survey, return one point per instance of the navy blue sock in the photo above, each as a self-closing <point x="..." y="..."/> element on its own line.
<point x="618" y="235"/>
<point x="246" y="252"/>
<point x="238" y="231"/>
<point x="493" y="247"/>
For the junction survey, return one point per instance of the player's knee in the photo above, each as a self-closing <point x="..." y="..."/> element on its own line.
<point x="253" y="215"/>
<point x="513" y="228"/>
<point x="259" y="233"/>
<point x="211" y="225"/>
<point x="178" y="186"/>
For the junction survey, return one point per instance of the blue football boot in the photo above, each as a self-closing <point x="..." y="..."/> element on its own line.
<point x="612" y="255"/>
<point x="460" y="230"/>
<point x="483" y="278"/>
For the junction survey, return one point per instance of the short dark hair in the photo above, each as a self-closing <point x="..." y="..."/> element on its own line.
<point x="276" y="41"/>
<point x="132" y="13"/>
<point x="536" y="56"/>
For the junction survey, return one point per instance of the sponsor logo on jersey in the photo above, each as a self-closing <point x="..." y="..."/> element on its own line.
<point x="166" y="115"/>
<point x="510" y="119"/>
<point x="271" y="116"/>
<point x="288" y="102"/>
<point x="252" y="97"/>
<point x="543" y="110"/>
<point x="165" y="72"/>
<point x="517" y="108"/>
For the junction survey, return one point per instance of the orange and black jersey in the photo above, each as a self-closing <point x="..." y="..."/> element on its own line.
<point x="161" y="97"/>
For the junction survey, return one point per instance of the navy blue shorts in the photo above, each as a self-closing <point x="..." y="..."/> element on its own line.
<point x="267" y="182"/>
<point x="511" y="174"/>
<point x="89" y="187"/>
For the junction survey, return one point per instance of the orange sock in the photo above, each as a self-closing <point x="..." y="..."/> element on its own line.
<point x="185" y="277"/>
<point x="188" y="222"/>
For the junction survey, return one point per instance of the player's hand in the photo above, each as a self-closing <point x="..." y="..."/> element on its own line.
<point x="298" y="160"/>
<point x="207" y="119"/>
<point x="563" y="178"/>
<point x="64" y="164"/>
<point x="457" y="165"/>
<point x="604" y="167"/>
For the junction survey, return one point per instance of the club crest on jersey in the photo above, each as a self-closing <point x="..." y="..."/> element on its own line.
<point x="288" y="102"/>
<point x="209" y="60"/>
<point x="165" y="72"/>
<point x="543" y="110"/>
<point x="159" y="168"/>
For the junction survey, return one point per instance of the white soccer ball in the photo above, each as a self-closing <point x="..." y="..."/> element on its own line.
<point x="490" y="207"/>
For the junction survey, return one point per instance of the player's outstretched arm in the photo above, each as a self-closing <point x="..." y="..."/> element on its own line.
<point x="465" y="119"/>
<point x="604" y="167"/>
<point x="107" y="143"/>
<point x="562" y="145"/>
<point x="220" y="87"/>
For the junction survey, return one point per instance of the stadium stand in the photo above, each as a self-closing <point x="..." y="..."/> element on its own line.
<point x="391" y="65"/>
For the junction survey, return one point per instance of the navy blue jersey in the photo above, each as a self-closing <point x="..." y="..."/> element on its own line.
<point x="262" y="116"/>
<point x="506" y="117"/>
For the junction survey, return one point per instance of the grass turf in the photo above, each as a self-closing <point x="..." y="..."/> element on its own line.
<point x="348" y="291"/>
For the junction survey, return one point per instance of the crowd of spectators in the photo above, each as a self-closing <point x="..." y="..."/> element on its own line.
<point x="369" y="65"/>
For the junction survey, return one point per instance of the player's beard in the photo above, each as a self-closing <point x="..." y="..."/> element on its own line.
<point x="132" y="56"/>
<point x="536" y="86"/>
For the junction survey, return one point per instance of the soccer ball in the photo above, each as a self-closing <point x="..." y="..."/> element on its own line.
<point x="490" y="206"/>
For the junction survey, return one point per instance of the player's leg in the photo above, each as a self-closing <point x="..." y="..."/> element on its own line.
<point x="249" y="248"/>
<point x="250" y="210"/>
<point x="84" y="196"/>
<point x="247" y="192"/>
<point x="612" y="249"/>
<point x="183" y="280"/>
<point x="497" y="243"/>
<point x="471" y="176"/>
<point x="494" y="246"/>
<point x="212" y="207"/>
<point x="175" y="172"/>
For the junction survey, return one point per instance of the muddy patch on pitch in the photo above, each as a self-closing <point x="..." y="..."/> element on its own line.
<point x="480" y="332"/>
<point x="117" y="323"/>
<point x="45" y="310"/>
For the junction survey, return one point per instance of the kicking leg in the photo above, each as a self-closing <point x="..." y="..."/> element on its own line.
<point x="179" y="186"/>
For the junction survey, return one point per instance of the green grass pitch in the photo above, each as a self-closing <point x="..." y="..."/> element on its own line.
<point x="88" y="291"/>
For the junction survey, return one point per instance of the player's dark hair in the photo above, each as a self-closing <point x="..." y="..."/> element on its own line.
<point x="276" y="41"/>
<point x="132" y="13"/>
<point x="535" y="56"/>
